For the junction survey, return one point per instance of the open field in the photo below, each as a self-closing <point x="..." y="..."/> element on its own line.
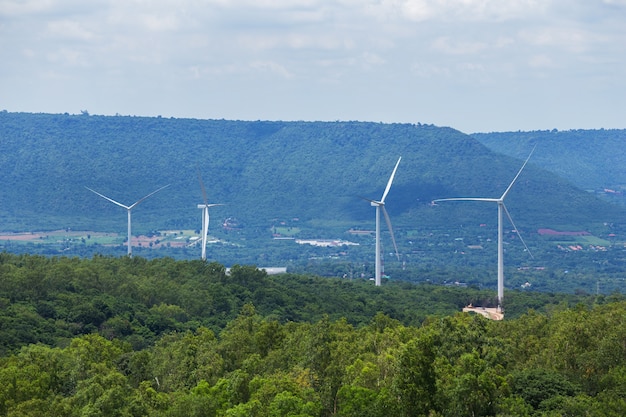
<point x="59" y="236"/>
<point x="285" y="231"/>
<point x="169" y="238"/>
<point x="584" y="241"/>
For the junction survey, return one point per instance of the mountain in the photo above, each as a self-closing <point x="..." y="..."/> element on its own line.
<point x="591" y="159"/>
<point x="261" y="171"/>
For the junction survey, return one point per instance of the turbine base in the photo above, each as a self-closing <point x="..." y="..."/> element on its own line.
<point x="489" y="312"/>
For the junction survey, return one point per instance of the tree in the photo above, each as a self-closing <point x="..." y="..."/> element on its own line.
<point x="538" y="385"/>
<point x="415" y="382"/>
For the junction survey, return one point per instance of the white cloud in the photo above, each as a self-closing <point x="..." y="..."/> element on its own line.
<point x="373" y="59"/>
<point x="273" y="67"/>
<point x="68" y="57"/>
<point x="571" y="39"/>
<point x="12" y="8"/>
<point x="541" y="61"/>
<point x="155" y="22"/>
<point x="459" y="10"/>
<point x="70" y="29"/>
<point x="427" y="70"/>
<point x="457" y="46"/>
<point x="408" y="49"/>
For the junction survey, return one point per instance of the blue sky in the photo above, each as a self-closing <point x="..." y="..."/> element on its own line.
<point x="474" y="65"/>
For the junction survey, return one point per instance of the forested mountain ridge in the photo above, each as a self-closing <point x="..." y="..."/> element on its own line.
<point x="261" y="171"/>
<point x="591" y="159"/>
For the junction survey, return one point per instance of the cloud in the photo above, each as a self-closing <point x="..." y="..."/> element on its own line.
<point x="457" y="46"/>
<point x="570" y="39"/>
<point x="13" y="8"/>
<point x="418" y="51"/>
<point x="459" y="10"/>
<point x="541" y="61"/>
<point x="273" y="67"/>
<point x="615" y="2"/>
<point x="427" y="70"/>
<point x="68" y="57"/>
<point x="154" y="22"/>
<point x="69" y="29"/>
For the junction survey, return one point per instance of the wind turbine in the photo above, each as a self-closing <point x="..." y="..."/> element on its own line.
<point x="128" y="209"/>
<point x="501" y="209"/>
<point x="380" y="204"/>
<point x="205" y="216"/>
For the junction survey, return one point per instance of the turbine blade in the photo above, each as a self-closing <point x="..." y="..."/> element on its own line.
<point x="149" y="195"/>
<point x="108" y="199"/>
<point x="517" y="231"/>
<point x="490" y="200"/>
<point x="204" y="197"/>
<point x="382" y="200"/>
<point x="393" y="239"/>
<point x="518" y="174"/>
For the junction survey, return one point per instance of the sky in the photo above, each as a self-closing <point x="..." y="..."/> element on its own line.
<point x="473" y="65"/>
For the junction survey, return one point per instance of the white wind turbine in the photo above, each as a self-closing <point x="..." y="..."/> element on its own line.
<point x="381" y="204"/>
<point x="128" y="209"/>
<point x="205" y="217"/>
<point x="501" y="209"/>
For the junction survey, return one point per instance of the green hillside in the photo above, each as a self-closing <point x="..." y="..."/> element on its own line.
<point x="261" y="171"/>
<point x="591" y="159"/>
<point x="296" y="180"/>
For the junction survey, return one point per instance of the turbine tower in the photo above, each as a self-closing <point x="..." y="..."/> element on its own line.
<point x="128" y="210"/>
<point x="501" y="209"/>
<point x="380" y="204"/>
<point x="205" y="217"/>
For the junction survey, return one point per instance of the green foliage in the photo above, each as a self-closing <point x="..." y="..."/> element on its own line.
<point x="591" y="159"/>
<point x="536" y="385"/>
<point x="295" y="177"/>
<point x="338" y="370"/>
<point x="126" y="337"/>
<point x="138" y="300"/>
<point x="416" y="379"/>
<point x="280" y="176"/>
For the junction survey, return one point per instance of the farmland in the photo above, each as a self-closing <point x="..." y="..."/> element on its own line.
<point x="69" y="238"/>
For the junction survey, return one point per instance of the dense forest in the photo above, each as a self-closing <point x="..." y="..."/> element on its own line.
<point x="263" y="173"/>
<point x="52" y="299"/>
<point x="133" y="337"/>
<point x="590" y="159"/>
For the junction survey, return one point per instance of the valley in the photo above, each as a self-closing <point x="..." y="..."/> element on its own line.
<point x="281" y="183"/>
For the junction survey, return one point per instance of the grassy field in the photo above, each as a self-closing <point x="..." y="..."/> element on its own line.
<point x="585" y="241"/>
<point x="286" y="231"/>
<point x="179" y="238"/>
